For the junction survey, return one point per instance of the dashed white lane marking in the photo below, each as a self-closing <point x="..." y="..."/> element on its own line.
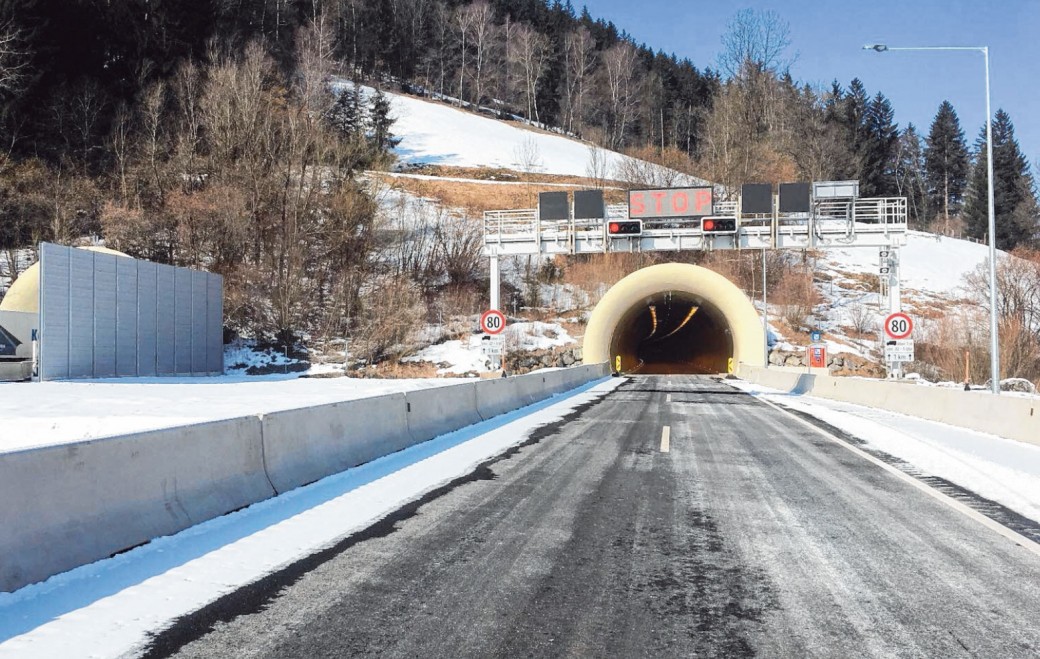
<point x="1019" y="539"/>
<point x="668" y="399"/>
<point x="666" y="433"/>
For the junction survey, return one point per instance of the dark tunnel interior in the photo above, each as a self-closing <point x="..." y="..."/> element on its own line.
<point x="672" y="332"/>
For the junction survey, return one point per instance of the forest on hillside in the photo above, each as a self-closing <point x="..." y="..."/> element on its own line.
<point x="206" y="133"/>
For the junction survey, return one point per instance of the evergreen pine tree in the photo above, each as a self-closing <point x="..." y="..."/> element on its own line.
<point x="347" y="115"/>
<point x="946" y="165"/>
<point x="380" y="123"/>
<point x="877" y="149"/>
<point x="910" y="176"/>
<point x="1014" y="195"/>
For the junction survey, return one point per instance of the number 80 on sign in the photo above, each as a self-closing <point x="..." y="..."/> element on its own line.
<point x="898" y="326"/>
<point x="492" y="321"/>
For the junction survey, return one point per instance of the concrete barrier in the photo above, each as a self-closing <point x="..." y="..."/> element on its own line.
<point x="439" y="410"/>
<point x="498" y="396"/>
<point x="72" y="504"/>
<point x="15" y="371"/>
<point x="305" y="445"/>
<point x="531" y="387"/>
<point x="1012" y="417"/>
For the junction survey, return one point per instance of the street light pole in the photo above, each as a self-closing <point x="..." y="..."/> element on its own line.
<point x="994" y="339"/>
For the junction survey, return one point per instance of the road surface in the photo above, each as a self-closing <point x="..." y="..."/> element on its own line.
<point x="675" y="516"/>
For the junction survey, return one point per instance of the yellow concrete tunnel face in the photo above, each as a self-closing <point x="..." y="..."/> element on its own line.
<point x="674" y="318"/>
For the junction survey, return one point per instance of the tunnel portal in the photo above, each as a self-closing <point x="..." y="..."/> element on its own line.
<point x="673" y="332"/>
<point x="674" y="318"/>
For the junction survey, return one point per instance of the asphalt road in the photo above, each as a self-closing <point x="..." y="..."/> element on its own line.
<point x="752" y="535"/>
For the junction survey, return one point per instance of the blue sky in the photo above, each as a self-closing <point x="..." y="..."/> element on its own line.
<point x="827" y="38"/>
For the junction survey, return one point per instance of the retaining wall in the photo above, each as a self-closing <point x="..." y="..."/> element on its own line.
<point x="1013" y="417"/>
<point x="72" y="504"/>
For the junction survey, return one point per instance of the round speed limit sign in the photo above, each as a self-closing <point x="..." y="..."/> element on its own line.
<point x="898" y="326"/>
<point x="492" y="321"/>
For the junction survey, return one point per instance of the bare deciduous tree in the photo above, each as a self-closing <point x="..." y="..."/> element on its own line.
<point x="482" y="29"/>
<point x="462" y="22"/>
<point x="14" y="58"/>
<point x="530" y="55"/>
<point x="580" y="62"/>
<point x="754" y="40"/>
<point x="619" y="71"/>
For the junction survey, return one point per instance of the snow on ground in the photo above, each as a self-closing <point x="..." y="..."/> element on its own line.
<point x="435" y="133"/>
<point x="108" y="608"/>
<point x="999" y="469"/>
<point x="42" y="413"/>
<point x="460" y="356"/>
<point x="927" y="263"/>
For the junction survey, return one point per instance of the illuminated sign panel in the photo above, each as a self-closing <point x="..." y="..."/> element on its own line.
<point x="670" y="202"/>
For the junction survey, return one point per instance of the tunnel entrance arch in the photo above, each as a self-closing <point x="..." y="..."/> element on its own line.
<point x="674" y="318"/>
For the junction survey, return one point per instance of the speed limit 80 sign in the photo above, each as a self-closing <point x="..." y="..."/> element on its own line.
<point x="898" y="326"/>
<point x="492" y="321"/>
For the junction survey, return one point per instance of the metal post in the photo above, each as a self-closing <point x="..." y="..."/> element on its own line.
<point x="994" y="344"/>
<point x="894" y="302"/>
<point x="495" y="283"/>
<point x="994" y="337"/>
<point x="765" y="312"/>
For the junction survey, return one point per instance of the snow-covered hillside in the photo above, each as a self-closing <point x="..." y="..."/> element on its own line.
<point x="435" y="133"/>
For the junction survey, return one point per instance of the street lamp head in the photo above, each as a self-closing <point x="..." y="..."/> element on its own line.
<point x="879" y="47"/>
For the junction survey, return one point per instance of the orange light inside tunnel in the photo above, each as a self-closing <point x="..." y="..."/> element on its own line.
<point x="708" y="225"/>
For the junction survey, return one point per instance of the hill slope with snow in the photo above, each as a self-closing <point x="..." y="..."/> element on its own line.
<point x="435" y="133"/>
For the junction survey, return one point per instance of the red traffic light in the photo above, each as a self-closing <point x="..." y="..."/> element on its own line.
<point x="719" y="225"/>
<point x="625" y="228"/>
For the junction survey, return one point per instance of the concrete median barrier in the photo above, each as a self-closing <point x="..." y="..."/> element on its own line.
<point x="498" y="396"/>
<point x="305" y="445"/>
<point x="73" y="504"/>
<point x="1012" y="417"/>
<point x="531" y="387"/>
<point x="439" y="410"/>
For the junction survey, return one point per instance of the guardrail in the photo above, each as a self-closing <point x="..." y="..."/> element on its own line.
<point x="866" y="222"/>
<point x="72" y="504"/>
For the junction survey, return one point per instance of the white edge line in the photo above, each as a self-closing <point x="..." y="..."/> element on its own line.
<point x="1011" y="535"/>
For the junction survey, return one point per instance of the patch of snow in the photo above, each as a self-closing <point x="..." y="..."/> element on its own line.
<point x="435" y="133"/>
<point x="45" y="413"/>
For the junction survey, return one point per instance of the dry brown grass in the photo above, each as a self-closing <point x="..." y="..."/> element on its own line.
<point x="596" y="273"/>
<point x="397" y="370"/>
<point x="476" y="198"/>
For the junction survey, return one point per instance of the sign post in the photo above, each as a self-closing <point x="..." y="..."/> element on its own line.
<point x="493" y="323"/>
<point x="899" y="347"/>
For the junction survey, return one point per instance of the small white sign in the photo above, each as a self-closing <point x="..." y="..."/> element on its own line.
<point x="491" y="346"/>
<point x="900" y="350"/>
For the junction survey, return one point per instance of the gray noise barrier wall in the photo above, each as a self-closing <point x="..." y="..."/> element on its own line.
<point x="74" y="504"/>
<point x="111" y="316"/>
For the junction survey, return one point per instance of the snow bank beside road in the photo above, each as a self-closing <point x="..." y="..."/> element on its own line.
<point x="42" y="413"/>
<point x="1003" y="470"/>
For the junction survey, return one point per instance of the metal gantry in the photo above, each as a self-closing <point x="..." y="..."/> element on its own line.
<point x="853" y="222"/>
